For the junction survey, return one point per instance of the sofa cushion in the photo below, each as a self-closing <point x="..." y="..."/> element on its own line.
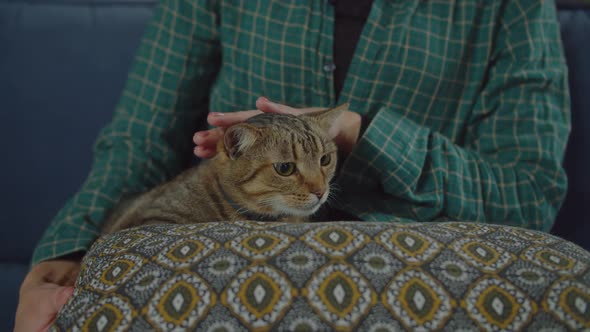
<point x="330" y="276"/>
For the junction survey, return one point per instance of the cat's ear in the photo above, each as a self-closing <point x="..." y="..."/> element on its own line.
<point x="326" y="118"/>
<point x="239" y="138"/>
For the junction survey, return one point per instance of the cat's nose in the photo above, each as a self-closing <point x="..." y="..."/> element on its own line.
<point x="319" y="193"/>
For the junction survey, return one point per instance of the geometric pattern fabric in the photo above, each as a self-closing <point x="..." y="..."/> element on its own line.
<point x="332" y="276"/>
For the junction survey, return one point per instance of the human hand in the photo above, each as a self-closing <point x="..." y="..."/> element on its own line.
<point x="345" y="130"/>
<point x="44" y="291"/>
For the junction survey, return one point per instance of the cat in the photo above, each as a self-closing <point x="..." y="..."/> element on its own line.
<point x="271" y="167"/>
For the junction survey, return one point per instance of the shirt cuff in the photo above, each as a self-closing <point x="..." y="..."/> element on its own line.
<point x="62" y="241"/>
<point x="391" y="152"/>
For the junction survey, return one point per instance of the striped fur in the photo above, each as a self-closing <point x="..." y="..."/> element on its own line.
<point x="240" y="182"/>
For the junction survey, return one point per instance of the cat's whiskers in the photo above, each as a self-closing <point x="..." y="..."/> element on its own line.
<point x="334" y="187"/>
<point x="241" y="211"/>
<point x="264" y="203"/>
<point x="237" y="215"/>
<point x="332" y="198"/>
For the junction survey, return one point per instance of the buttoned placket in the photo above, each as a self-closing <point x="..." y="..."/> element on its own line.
<point x="326" y="66"/>
<point x="371" y="33"/>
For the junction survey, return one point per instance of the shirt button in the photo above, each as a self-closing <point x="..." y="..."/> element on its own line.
<point x="329" y="67"/>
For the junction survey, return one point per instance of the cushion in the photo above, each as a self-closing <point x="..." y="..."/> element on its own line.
<point x="330" y="276"/>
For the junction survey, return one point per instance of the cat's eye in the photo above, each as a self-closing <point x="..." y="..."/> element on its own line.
<point x="325" y="160"/>
<point x="284" y="169"/>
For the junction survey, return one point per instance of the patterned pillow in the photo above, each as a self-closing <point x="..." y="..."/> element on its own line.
<point x="330" y="276"/>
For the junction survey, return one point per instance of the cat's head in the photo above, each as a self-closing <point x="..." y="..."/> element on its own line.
<point x="281" y="164"/>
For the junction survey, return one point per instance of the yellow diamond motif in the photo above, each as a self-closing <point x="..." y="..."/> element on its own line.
<point x="177" y="303"/>
<point x="111" y="313"/>
<point x="408" y="245"/>
<point x="106" y="318"/>
<point x="260" y="294"/>
<point x="128" y="241"/>
<point x="417" y="301"/>
<point x="260" y="243"/>
<point x="184" y="251"/>
<point x="116" y="272"/>
<point x="334" y="238"/>
<point x="339" y="294"/>
<point x="335" y="241"/>
<point x="555" y="259"/>
<point x="121" y="242"/>
<point x="411" y="244"/>
<point x="577" y="303"/>
<point x="482" y="254"/>
<point x="420" y="300"/>
<point x="498" y="306"/>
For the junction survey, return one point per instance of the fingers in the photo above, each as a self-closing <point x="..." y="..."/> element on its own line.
<point x="42" y="294"/>
<point x="61" y="297"/>
<point x="262" y="104"/>
<point x="202" y="152"/>
<point x="50" y="302"/>
<point x="268" y="106"/>
<point x="206" y="142"/>
<point x="229" y="119"/>
<point x="38" y="306"/>
<point x="208" y="138"/>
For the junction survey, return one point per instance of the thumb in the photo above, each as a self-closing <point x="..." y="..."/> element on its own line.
<point x="42" y="307"/>
<point x="59" y="297"/>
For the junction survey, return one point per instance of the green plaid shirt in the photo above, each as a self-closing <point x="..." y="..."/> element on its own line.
<point x="466" y="103"/>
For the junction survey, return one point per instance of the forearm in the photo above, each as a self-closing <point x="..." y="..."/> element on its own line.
<point x="427" y="177"/>
<point x="500" y="158"/>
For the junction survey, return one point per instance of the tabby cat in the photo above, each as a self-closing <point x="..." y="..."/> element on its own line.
<point x="270" y="167"/>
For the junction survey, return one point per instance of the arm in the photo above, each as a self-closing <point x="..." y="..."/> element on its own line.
<point x="149" y="137"/>
<point x="508" y="169"/>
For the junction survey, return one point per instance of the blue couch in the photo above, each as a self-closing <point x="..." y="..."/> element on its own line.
<point x="63" y="64"/>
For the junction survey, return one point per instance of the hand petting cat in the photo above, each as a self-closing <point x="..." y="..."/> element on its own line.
<point x="345" y="130"/>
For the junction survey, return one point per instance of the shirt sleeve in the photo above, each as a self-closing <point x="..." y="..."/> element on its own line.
<point x="507" y="169"/>
<point x="149" y="137"/>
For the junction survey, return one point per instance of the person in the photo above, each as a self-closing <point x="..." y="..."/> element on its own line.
<point x="459" y="110"/>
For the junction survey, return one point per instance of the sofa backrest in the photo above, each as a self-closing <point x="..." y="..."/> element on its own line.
<point x="63" y="64"/>
<point x="573" y="220"/>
